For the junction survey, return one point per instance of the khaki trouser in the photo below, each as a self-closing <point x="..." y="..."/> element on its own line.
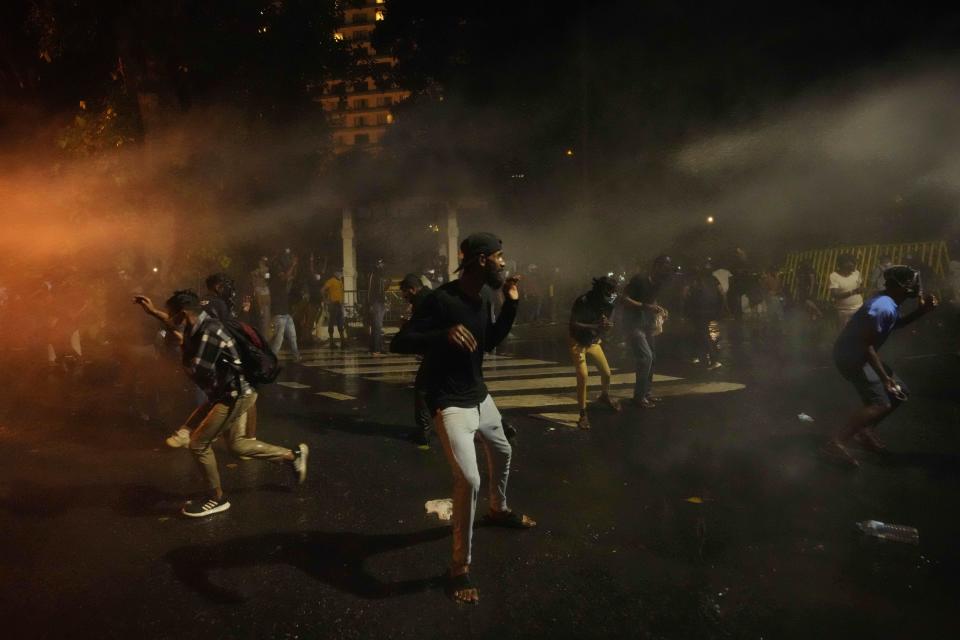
<point x="230" y="420"/>
<point x="579" y="355"/>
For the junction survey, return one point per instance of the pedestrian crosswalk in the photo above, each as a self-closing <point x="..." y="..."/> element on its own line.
<point x="544" y="389"/>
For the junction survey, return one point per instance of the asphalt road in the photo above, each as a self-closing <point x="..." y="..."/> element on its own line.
<point x="711" y="516"/>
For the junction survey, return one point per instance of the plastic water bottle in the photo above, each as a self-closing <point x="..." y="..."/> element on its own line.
<point x="884" y="531"/>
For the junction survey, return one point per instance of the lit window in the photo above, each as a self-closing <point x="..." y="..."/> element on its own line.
<point x="338" y="37"/>
<point x="380" y="1"/>
<point x="379" y="16"/>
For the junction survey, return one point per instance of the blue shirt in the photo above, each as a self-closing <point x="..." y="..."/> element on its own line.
<point x="879" y="315"/>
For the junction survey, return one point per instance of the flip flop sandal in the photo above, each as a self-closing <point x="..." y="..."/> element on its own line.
<point x="458" y="584"/>
<point x="510" y="520"/>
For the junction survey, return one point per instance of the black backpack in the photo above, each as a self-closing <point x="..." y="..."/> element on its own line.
<point x="258" y="362"/>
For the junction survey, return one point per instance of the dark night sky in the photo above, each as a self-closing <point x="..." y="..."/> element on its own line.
<point x="626" y="85"/>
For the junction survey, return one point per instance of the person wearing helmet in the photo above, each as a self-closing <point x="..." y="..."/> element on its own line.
<point x="589" y="322"/>
<point x="856" y="356"/>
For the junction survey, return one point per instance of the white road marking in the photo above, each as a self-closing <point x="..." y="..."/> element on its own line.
<point x="688" y="389"/>
<point x="389" y="368"/>
<point x="565" y="419"/>
<point x="333" y="395"/>
<point x="526" y="401"/>
<point x="566" y="382"/>
<point x="293" y="385"/>
<point x="399" y="378"/>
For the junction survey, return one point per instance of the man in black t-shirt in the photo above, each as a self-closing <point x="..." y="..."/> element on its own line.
<point x="413" y="291"/>
<point x="589" y="322"/>
<point x="452" y="328"/>
<point x="644" y="319"/>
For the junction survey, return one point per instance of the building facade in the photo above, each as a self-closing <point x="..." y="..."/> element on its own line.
<point x="359" y="111"/>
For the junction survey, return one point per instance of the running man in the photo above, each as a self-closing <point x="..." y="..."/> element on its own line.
<point x="452" y="329"/>
<point x="589" y="322"/>
<point x="211" y="360"/>
<point x="856" y="356"/>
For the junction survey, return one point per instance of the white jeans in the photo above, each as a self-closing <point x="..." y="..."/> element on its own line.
<point x="457" y="427"/>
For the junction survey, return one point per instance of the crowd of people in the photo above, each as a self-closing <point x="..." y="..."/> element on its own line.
<point x="227" y="340"/>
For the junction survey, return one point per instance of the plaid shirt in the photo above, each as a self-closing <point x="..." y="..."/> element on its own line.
<point x="211" y="360"/>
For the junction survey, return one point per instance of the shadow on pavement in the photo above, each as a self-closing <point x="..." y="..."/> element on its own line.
<point x="26" y="498"/>
<point x="333" y="558"/>
<point x="938" y="464"/>
<point x="356" y="426"/>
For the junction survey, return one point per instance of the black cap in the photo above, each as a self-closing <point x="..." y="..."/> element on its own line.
<point x="476" y="245"/>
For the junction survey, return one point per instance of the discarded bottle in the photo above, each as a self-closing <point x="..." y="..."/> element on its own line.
<point x="884" y="531"/>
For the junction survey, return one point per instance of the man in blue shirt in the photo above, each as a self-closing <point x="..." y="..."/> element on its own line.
<point x="856" y="356"/>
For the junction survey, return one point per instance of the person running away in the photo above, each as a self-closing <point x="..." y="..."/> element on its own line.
<point x="211" y="360"/>
<point x="856" y="356"/>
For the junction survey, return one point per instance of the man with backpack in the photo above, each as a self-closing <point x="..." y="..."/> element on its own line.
<point x="220" y="303"/>
<point x="211" y="359"/>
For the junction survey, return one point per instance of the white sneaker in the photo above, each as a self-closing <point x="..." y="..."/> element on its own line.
<point x="180" y="438"/>
<point x="715" y="365"/>
<point x="300" y="463"/>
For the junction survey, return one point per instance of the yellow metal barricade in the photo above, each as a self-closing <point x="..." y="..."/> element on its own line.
<point x="824" y="261"/>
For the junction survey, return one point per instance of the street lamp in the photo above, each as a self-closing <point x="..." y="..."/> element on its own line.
<point x="710" y="219"/>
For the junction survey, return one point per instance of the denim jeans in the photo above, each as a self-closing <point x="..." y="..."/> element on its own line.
<point x="377" y="311"/>
<point x="643" y="347"/>
<point x="283" y="325"/>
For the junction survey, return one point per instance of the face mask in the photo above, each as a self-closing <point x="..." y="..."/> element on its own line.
<point x="610" y="299"/>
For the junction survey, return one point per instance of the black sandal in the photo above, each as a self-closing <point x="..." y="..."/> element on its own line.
<point x="458" y="584"/>
<point x="509" y="519"/>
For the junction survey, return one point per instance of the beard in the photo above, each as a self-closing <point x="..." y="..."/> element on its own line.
<point x="494" y="278"/>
